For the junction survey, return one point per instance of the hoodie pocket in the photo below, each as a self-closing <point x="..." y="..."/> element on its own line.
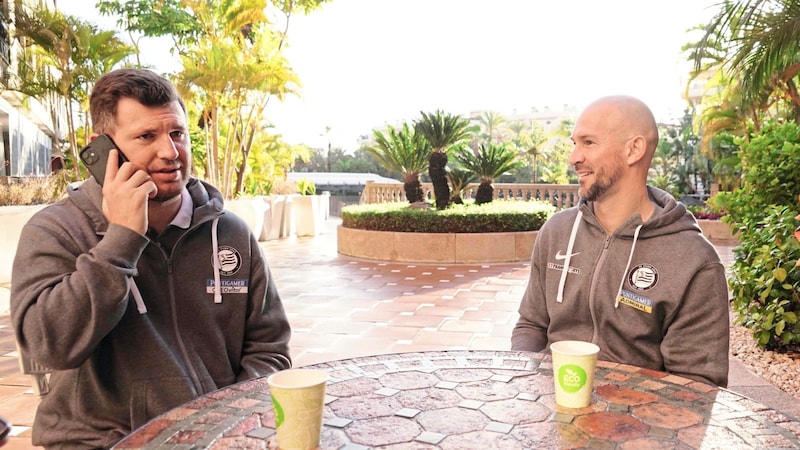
<point x="149" y="398"/>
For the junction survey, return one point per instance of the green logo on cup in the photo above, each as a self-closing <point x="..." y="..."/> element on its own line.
<point x="278" y="412"/>
<point x="571" y="378"/>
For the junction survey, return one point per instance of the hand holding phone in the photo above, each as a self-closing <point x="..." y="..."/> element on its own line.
<point x="95" y="156"/>
<point x="120" y="204"/>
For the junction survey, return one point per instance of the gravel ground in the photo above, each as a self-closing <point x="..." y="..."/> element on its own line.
<point x="780" y="369"/>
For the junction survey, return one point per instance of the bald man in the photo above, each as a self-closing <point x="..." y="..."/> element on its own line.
<point x="628" y="268"/>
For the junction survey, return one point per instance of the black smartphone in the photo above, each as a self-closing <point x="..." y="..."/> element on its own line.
<point x="95" y="156"/>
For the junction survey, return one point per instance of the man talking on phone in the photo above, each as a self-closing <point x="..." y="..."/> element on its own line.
<point x="139" y="290"/>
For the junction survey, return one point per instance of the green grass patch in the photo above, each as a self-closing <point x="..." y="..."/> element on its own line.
<point x="495" y="217"/>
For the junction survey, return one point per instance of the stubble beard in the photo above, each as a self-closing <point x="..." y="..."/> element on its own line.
<point x="164" y="196"/>
<point x="602" y="184"/>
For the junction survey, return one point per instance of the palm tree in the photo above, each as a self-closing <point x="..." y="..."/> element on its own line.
<point x="726" y="104"/>
<point x="517" y="128"/>
<point x="534" y="152"/>
<point x="233" y="63"/>
<point x="761" y="46"/>
<point x="442" y="131"/>
<point x="491" y="122"/>
<point x="535" y="147"/>
<point x="230" y="76"/>
<point x="555" y="161"/>
<point x="459" y="179"/>
<point x="662" y="172"/>
<point x="66" y="55"/>
<point x="488" y="162"/>
<point x="404" y="151"/>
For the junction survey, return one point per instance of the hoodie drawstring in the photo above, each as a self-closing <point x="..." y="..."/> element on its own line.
<point x="568" y="256"/>
<point x="215" y="258"/>
<point x="627" y="266"/>
<point x="137" y="296"/>
<point x="564" y="270"/>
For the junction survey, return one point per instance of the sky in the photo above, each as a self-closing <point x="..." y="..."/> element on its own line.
<point x="364" y="64"/>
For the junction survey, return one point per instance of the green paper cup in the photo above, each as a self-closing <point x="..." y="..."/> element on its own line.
<point x="298" y="396"/>
<point x="573" y="372"/>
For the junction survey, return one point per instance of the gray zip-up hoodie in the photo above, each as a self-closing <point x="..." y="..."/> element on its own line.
<point x="652" y="294"/>
<point x="134" y="327"/>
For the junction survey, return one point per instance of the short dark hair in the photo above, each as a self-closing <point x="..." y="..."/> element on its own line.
<point x="142" y="85"/>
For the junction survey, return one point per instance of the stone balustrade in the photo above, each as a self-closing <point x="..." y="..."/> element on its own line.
<point x="560" y="195"/>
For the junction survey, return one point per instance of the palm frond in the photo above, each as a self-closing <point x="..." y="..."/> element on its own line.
<point x="489" y="161"/>
<point x="443" y="130"/>
<point x="400" y="150"/>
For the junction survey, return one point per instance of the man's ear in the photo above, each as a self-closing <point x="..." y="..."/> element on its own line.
<point x="636" y="150"/>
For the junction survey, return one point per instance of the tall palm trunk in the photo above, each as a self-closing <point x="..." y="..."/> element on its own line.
<point x="413" y="188"/>
<point x="442" y="131"/>
<point x="485" y="192"/>
<point x="437" y="170"/>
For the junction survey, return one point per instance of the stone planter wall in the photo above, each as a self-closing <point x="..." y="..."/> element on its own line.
<point x="436" y="247"/>
<point x="716" y="230"/>
<point x="462" y="248"/>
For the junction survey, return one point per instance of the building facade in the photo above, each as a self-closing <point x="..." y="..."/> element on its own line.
<point x="31" y="128"/>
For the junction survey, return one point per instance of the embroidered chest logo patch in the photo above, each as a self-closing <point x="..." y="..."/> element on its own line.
<point x="635" y="301"/>
<point x="643" y="277"/>
<point x="559" y="267"/>
<point x="227" y="286"/>
<point x="230" y="261"/>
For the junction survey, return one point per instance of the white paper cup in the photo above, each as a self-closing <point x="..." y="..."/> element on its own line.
<point x="298" y="396"/>
<point x="573" y="372"/>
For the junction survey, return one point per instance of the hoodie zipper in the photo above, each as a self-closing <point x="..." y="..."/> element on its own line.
<point x="192" y="371"/>
<point x="598" y="268"/>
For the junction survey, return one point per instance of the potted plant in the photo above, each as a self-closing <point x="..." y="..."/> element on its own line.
<point x="309" y="214"/>
<point x="251" y="210"/>
<point x="273" y="214"/>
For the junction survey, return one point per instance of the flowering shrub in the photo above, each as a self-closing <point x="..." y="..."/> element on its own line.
<point x="702" y="212"/>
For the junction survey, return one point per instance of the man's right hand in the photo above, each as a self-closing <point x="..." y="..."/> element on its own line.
<point x="126" y="191"/>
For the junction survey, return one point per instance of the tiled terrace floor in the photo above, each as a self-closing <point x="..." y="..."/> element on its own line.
<point x="340" y="308"/>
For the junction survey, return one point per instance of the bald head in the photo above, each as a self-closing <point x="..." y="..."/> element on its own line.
<point x="625" y="117"/>
<point x="615" y="139"/>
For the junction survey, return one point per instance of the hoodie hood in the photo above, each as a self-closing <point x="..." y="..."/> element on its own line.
<point x="88" y="195"/>
<point x="207" y="204"/>
<point x="668" y="217"/>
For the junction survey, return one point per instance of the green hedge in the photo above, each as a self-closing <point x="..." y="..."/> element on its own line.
<point x="764" y="281"/>
<point x="494" y="217"/>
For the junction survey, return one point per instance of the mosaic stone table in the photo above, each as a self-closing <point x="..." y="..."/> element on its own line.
<point x="486" y="400"/>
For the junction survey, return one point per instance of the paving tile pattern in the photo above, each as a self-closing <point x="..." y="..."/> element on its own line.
<point x="481" y="399"/>
<point x="342" y="308"/>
